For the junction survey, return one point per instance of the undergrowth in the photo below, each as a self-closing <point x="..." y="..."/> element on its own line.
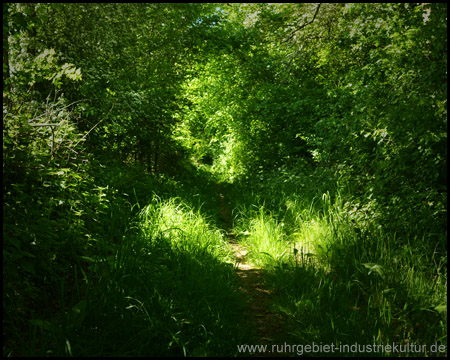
<point x="167" y="285"/>
<point x="340" y="275"/>
<point x="141" y="275"/>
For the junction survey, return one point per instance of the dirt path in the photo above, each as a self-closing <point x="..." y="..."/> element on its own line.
<point x="267" y="326"/>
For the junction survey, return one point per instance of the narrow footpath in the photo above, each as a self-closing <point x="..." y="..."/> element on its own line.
<point x="268" y="326"/>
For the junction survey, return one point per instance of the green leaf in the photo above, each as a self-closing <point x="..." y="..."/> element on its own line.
<point x="441" y="308"/>
<point x="68" y="348"/>
<point x="374" y="268"/>
<point x="87" y="259"/>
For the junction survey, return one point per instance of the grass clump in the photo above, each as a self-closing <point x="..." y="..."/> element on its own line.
<point x="262" y="235"/>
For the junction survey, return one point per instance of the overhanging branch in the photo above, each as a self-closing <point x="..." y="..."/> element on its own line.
<point x="303" y="25"/>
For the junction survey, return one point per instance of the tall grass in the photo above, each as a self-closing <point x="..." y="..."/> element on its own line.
<point x="183" y="228"/>
<point x="373" y="288"/>
<point x="164" y="284"/>
<point x="341" y="276"/>
<point x="262" y="236"/>
<point x="167" y="290"/>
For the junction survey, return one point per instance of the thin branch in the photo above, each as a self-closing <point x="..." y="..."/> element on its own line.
<point x="89" y="132"/>
<point x="60" y="109"/>
<point x="95" y="126"/>
<point x="303" y="25"/>
<point x="36" y="125"/>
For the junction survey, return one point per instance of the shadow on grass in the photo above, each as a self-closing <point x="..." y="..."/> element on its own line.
<point x="141" y="295"/>
<point x="159" y="300"/>
<point x="326" y="308"/>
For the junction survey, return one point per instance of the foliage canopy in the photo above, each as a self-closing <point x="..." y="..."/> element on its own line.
<point x="106" y="107"/>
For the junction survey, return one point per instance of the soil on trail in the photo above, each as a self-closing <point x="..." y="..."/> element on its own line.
<point x="267" y="326"/>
